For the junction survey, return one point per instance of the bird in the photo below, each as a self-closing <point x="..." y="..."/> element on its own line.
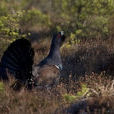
<point x="18" y="60"/>
<point x="47" y="72"/>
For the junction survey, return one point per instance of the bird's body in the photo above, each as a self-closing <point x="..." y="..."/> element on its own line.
<point x="47" y="72"/>
<point x="47" y="75"/>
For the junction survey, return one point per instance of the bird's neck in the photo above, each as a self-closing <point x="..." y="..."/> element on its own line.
<point x="55" y="55"/>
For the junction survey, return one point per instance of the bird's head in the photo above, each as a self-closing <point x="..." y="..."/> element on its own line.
<point x="58" y="38"/>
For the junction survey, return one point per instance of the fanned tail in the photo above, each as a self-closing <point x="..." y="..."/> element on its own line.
<point x="17" y="60"/>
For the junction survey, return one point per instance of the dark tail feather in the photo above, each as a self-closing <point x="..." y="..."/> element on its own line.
<point x="3" y="73"/>
<point x="17" y="60"/>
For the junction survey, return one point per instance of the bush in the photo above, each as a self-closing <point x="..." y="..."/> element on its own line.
<point x="9" y="26"/>
<point x="34" y="17"/>
<point x="85" y="19"/>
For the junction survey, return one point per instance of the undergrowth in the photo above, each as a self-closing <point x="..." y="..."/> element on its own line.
<point x="91" y="91"/>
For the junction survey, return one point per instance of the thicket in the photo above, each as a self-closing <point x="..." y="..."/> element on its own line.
<point x="84" y="18"/>
<point x="80" y="19"/>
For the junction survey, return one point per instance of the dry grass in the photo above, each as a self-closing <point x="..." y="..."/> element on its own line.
<point x="79" y="64"/>
<point x="100" y="98"/>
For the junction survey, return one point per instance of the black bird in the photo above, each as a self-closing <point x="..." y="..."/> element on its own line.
<point x="47" y="72"/>
<point x="18" y="61"/>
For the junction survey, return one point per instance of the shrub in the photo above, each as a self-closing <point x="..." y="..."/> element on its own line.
<point x="34" y="17"/>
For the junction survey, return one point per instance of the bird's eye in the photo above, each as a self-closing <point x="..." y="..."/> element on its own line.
<point x="59" y="35"/>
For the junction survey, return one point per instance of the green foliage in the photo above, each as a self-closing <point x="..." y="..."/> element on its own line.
<point x="4" y="7"/>
<point x="9" y="26"/>
<point x="35" y="17"/>
<point x="84" y="92"/>
<point x="80" y="19"/>
<point x="1" y="87"/>
<point x="85" y="19"/>
<point x="69" y="98"/>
